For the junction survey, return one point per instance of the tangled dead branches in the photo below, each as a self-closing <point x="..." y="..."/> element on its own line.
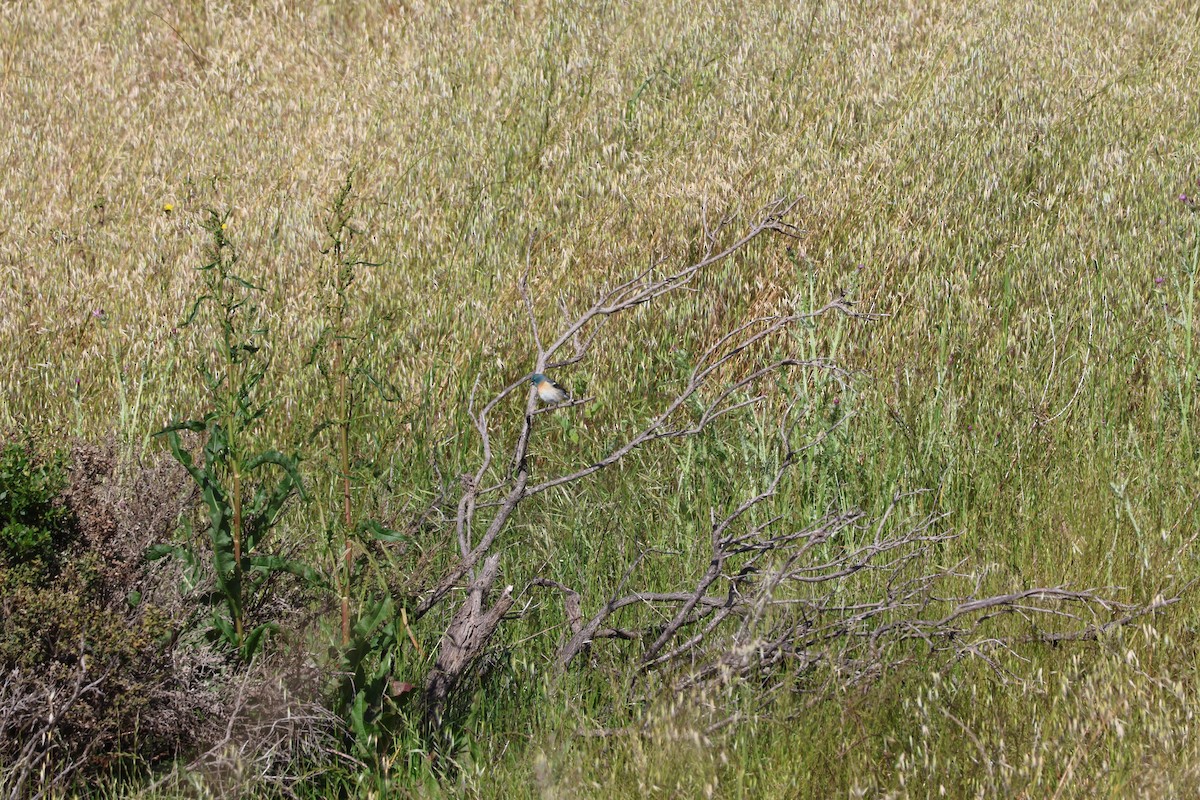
<point x="846" y="592"/>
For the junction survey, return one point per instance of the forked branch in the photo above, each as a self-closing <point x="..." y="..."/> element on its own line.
<point x="477" y="539"/>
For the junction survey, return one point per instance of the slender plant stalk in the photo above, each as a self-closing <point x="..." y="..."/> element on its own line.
<point x="344" y="421"/>
<point x="340" y="232"/>
<point x="236" y="502"/>
<point x="233" y="397"/>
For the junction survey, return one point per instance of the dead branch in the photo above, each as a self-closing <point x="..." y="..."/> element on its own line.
<point x="33" y="709"/>
<point x="473" y="625"/>
<point x="571" y="602"/>
<point x="272" y="719"/>
<point x="778" y="596"/>
<point x="465" y="639"/>
<point x="845" y="592"/>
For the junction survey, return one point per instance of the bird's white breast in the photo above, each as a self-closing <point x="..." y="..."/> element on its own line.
<point x="550" y="393"/>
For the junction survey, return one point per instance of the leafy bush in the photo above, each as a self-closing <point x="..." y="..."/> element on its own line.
<point x="34" y="526"/>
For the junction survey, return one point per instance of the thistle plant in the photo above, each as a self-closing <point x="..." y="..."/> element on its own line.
<point x="244" y="492"/>
<point x="372" y="634"/>
<point x="345" y="369"/>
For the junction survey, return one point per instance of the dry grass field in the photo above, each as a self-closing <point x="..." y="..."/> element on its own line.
<point x="1010" y="187"/>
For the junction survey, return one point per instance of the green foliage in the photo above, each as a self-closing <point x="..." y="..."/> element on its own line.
<point x="35" y="526"/>
<point x="55" y="635"/>
<point x="244" y="492"/>
<point x="339" y="355"/>
<point x="366" y="693"/>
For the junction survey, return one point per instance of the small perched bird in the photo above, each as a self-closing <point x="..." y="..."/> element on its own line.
<point x="548" y="391"/>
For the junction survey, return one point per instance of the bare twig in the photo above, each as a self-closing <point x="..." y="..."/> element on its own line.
<point x="571" y="606"/>
<point x="32" y="711"/>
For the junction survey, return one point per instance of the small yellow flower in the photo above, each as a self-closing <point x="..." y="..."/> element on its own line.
<point x="169" y="207"/>
<point x="222" y="226"/>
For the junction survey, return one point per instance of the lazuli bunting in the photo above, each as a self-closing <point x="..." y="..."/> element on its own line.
<point x="548" y="391"/>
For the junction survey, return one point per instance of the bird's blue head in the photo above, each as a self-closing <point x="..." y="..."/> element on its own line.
<point x="537" y="378"/>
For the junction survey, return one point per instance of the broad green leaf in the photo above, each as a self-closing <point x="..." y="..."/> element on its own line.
<point x="184" y="457"/>
<point x="254" y="639"/>
<point x="224" y="629"/>
<point x="196" y="306"/>
<point x="375" y="530"/>
<point x="193" y="425"/>
<point x="244" y="283"/>
<point x="155" y="552"/>
<point x="270" y="563"/>
<point x="288" y="464"/>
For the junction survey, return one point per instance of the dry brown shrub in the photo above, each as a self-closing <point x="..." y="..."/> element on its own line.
<point x="96" y="676"/>
<point x="272" y="719"/>
<point x="122" y="508"/>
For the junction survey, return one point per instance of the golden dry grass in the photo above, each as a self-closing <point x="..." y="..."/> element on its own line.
<point x="1000" y="179"/>
<point x="970" y="150"/>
